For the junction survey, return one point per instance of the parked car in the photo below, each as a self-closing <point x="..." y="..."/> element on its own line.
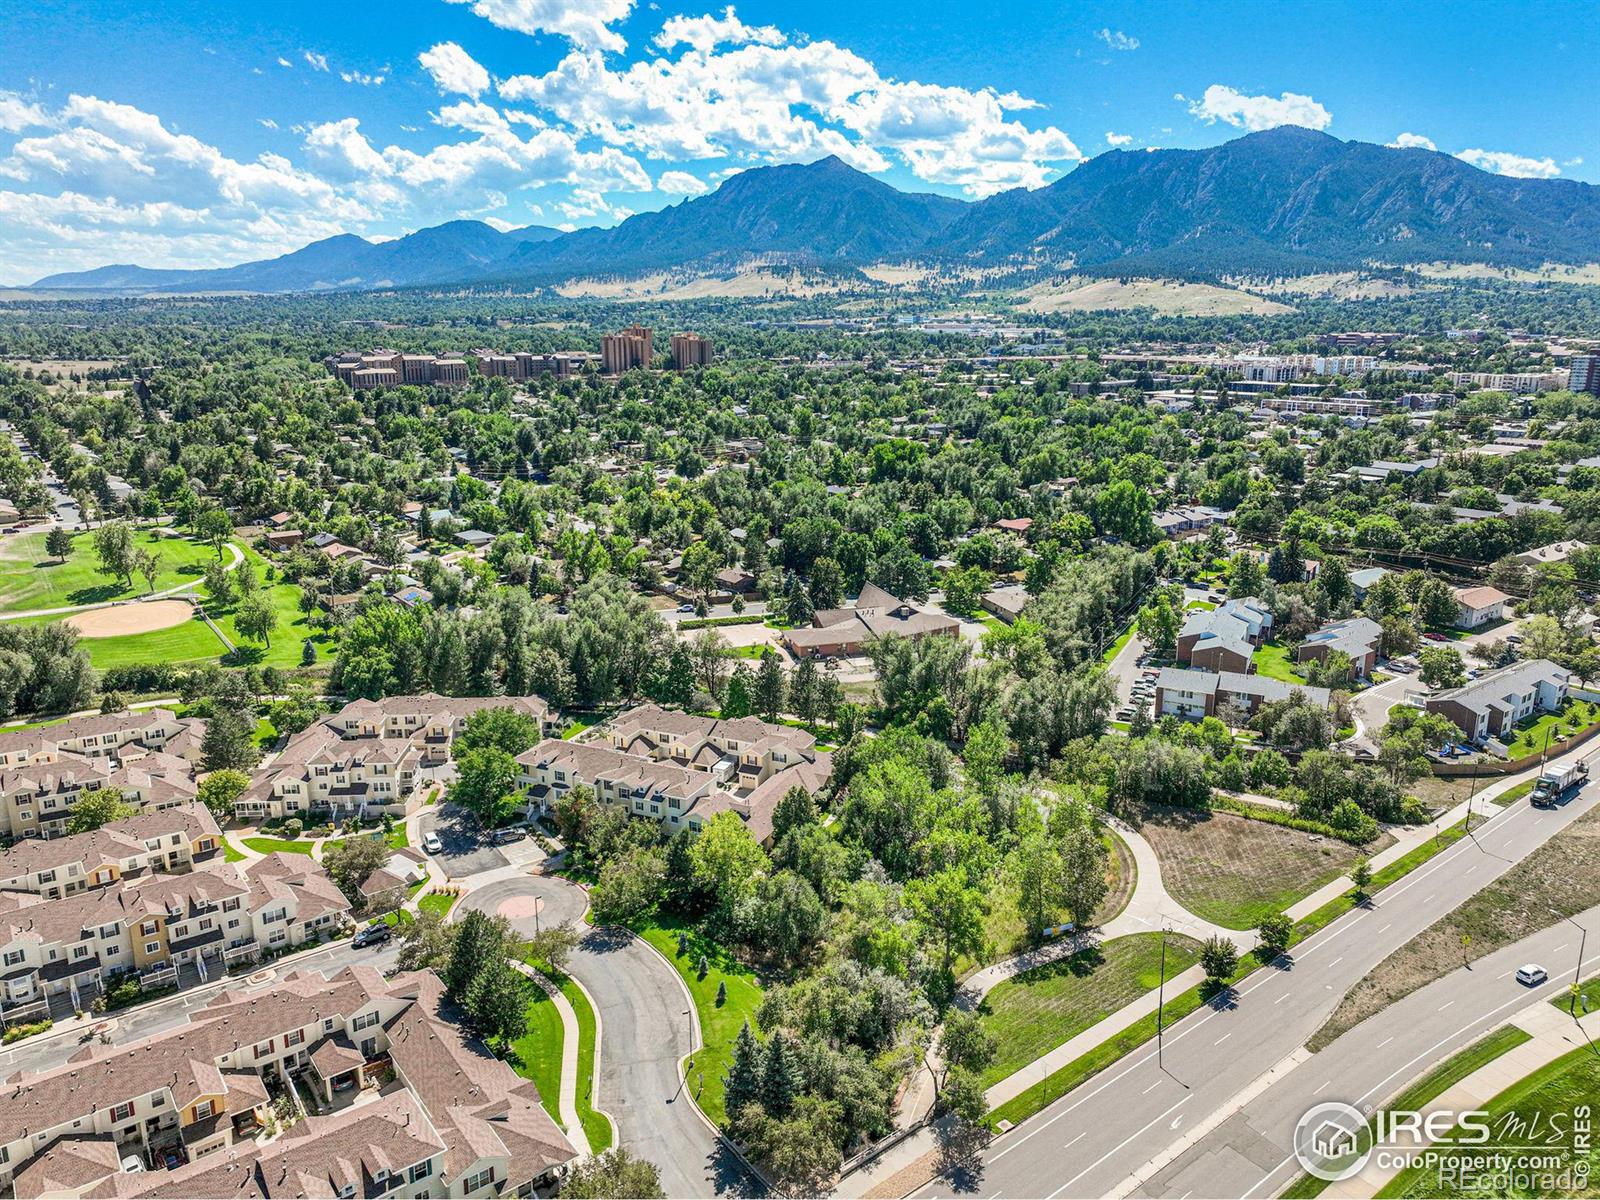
<point x="686" y="608"/>
<point x="1532" y="975"/>
<point x="373" y="935"/>
<point x="1436" y="637"/>
<point x="432" y="844"/>
<point x="512" y="833"/>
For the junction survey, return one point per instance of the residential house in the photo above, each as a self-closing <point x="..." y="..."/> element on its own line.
<point x="1555" y="552"/>
<point x="1479" y="606"/>
<point x="1006" y="603"/>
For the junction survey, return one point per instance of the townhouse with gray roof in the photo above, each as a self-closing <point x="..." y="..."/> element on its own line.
<point x="1225" y="637"/>
<point x="1492" y="705"/>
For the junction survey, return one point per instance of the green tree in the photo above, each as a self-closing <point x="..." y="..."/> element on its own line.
<point x="219" y="583"/>
<point x="58" y="544"/>
<point x="630" y="886"/>
<point x="742" y="1080"/>
<point x="506" y="729"/>
<point x="114" y="546"/>
<point x="770" y="686"/>
<point x="1361" y="877"/>
<point x="148" y="563"/>
<point x="781" y="1081"/>
<point x="1442" y="667"/>
<point x="1083" y="857"/>
<point x="229" y="740"/>
<point x="256" y="618"/>
<point x="1219" y="958"/>
<point x="497" y="1001"/>
<point x="1273" y="933"/>
<point x="478" y="939"/>
<point x="220" y="789"/>
<point x="614" y="1175"/>
<point x="426" y="944"/>
<point x="966" y="1044"/>
<point x="97" y="807"/>
<point x="486" y="785"/>
<point x="795" y="808"/>
<point x="727" y="860"/>
<point x="1040" y="878"/>
<point x="951" y="912"/>
<point x="351" y="864"/>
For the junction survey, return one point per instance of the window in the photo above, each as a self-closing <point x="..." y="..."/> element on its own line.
<point x="422" y="1170"/>
<point x="47" y="876"/>
<point x="327" y="1025"/>
<point x="13" y="957"/>
<point x="365" y="1021"/>
<point x="294" y="1037"/>
<point x="152" y="947"/>
<point x="121" y="1112"/>
<point x="202" y="1110"/>
<point x="206" y="924"/>
<point x="265" y="1047"/>
<point x="478" y="1179"/>
<point x="80" y="952"/>
<point x="113" y="950"/>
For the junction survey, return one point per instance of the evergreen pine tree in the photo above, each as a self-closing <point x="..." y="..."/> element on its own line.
<point x="780" y="1077"/>
<point x="769" y="694"/>
<point x="742" y="1082"/>
<point x="477" y="941"/>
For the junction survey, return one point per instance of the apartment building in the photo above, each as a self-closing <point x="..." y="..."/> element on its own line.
<point x="366" y="759"/>
<point x="680" y="769"/>
<point x="1194" y="694"/>
<point x="390" y="368"/>
<point x="148" y="756"/>
<point x="1521" y="384"/>
<point x="1359" y="637"/>
<point x="1583" y="374"/>
<point x="1224" y="638"/>
<point x="451" y="1121"/>
<point x="207" y="918"/>
<point x="1189" y="519"/>
<point x="1479" y="606"/>
<point x="621" y="352"/>
<point x="524" y="365"/>
<point x="691" y="350"/>
<point x="1493" y="704"/>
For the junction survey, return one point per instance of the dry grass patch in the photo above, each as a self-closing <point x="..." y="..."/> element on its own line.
<point x="1233" y="871"/>
<point x="1559" y="875"/>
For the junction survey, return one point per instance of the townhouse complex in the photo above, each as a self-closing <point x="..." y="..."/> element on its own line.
<point x="150" y="895"/>
<point x="1492" y="705"/>
<point x="389" y="1099"/>
<point x="366" y="759"/>
<point x="680" y="769"/>
<point x="842" y="632"/>
<point x="148" y="756"/>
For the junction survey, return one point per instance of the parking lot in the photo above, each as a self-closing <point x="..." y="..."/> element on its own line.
<point x="467" y="849"/>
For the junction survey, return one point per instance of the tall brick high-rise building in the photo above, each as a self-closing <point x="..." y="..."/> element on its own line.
<point x="690" y="350"/>
<point x="633" y="347"/>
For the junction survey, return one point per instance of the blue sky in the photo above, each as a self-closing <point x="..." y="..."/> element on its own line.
<point x="205" y="132"/>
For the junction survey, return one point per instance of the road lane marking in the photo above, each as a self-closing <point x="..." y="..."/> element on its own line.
<point x="1385" y="1041"/>
<point x="1281" y="998"/>
<point x="1117" y="1148"/>
<point x="1385" y="929"/>
<point x="1223" y="1038"/>
<point x="1446" y="1005"/>
<point x="1151" y="1088"/>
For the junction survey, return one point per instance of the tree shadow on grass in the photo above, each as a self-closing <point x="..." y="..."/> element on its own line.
<point x="97" y="594"/>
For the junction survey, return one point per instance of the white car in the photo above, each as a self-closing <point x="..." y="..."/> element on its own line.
<point x="432" y="844"/>
<point x="1532" y="975"/>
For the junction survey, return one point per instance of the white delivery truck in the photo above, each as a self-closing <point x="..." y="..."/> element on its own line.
<point x="1557" y="783"/>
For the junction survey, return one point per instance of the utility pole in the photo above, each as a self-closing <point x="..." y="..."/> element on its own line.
<point x="1577" y="971"/>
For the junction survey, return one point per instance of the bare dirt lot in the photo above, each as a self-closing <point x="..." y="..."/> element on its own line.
<point x="1234" y="871"/>
<point x="1559" y="875"/>
<point x="131" y="618"/>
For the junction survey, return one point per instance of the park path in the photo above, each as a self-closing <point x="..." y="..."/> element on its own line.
<point x="163" y="594"/>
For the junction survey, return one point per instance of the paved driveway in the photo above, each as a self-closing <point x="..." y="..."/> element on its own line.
<point x="645" y="1029"/>
<point x="467" y="850"/>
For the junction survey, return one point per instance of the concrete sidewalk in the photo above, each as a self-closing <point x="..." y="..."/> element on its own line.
<point x="1554" y="1033"/>
<point x="567" y="1102"/>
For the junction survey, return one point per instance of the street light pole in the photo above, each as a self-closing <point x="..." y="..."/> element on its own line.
<point x="1161" y="993"/>
<point x="1577" y="971"/>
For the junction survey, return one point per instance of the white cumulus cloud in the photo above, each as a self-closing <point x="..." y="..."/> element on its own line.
<point x="1412" y="141"/>
<point x="1254" y="113"/>
<point x="454" y="70"/>
<point x="1118" y="139"/>
<point x="707" y="32"/>
<point x="17" y="114"/>
<point x="586" y="23"/>
<point x="681" y="183"/>
<point x="1517" y="166"/>
<point x="317" y="62"/>
<point x="1117" y="40"/>
<point x="362" y="79"/>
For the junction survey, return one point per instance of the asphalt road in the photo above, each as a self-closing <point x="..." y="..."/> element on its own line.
<point x="467" y="850"/>
<point x="1090" y="1141"/>
<point x="645" y="1029"/>
<point x="53" y="1049"/>
<point x="1251" y="1153"/>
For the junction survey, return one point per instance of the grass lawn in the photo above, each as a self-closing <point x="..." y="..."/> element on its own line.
<point x="1575" y="715"/>
<point x="292" y="631"/>
<point x="1568" y="1085"/>
<point x="30" y="578"/>
<point x="578" y="724"/>
<point x="1116" y="647"/>
<point x="719" y="1024"/>
<point x="594" y="1122"/>
<point x="1273" y="661"/>
<point x="1054" y="1086"/>
<point x="437" y="903"/>
<point x="271" y="845"/>
<point x="1512" y="794"/>
<point x="1234" y="871"/>
<point x="1588" y="998"/>
<point x="230" y="852"/>
<point x="1038" y="1010"/>
<point x="1430" y="1087"/>
<point x="191" y="642"/>
<point x="1201" y="605"/>
<point x="536" y="1055"/>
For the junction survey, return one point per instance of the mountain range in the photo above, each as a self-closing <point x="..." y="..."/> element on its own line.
<point x="1284" y="201"/>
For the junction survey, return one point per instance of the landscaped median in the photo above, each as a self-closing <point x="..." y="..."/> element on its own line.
<point x="1143" y="1030"/>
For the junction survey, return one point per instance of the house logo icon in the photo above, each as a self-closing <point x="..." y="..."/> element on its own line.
<point x="1328" y="1141"/>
